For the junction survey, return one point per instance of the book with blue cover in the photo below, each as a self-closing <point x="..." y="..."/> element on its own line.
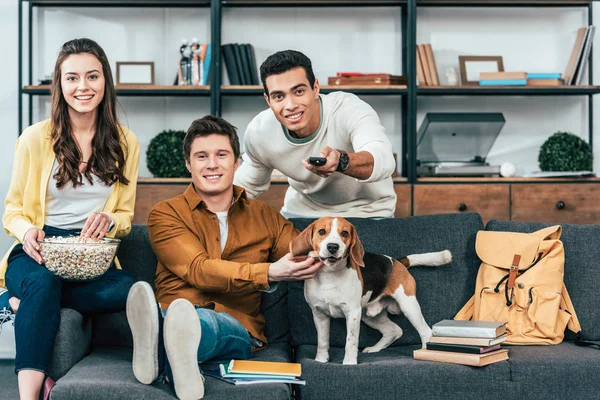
<point x="503" y="82"/>
<point x="544" y="75"/>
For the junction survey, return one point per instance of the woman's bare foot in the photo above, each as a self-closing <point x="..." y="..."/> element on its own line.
<point x="14" y="303"/>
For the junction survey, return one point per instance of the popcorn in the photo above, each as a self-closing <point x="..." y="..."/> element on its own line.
<point x="76" y="258"/>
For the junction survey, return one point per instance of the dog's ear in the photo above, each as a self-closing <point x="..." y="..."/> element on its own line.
<point x="357" y="251"/>
<point x="302" y="244"/>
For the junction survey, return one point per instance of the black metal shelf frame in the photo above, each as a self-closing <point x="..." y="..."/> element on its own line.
<point x="408" y="10"/>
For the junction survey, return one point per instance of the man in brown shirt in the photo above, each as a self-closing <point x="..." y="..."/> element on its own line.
<point x="217" y="251"/>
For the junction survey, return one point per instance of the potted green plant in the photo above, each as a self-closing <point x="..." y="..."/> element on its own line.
<point x="164" y="156"/>
<point x="565" y="151"/>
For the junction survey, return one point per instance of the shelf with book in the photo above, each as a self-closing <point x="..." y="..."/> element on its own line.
<point x="507" y="90"/>
<point x="504" y="3"/>
<point x="136" y="90"/>
<point x="119" y="3"/>
<point x="312" y="3"/>
<point x="253" y="90"/>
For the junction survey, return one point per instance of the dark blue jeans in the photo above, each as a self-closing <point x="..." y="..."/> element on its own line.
<point x="43" y="294"/>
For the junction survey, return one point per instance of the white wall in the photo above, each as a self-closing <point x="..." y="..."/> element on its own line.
<point x="360" y="39"/>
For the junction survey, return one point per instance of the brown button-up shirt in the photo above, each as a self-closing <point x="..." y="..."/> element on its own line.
<point x="186" y="238"/>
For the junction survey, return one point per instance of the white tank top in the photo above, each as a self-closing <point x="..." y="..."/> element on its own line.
<point x="69" y="208"/>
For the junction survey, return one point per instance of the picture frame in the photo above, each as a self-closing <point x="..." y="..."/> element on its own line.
<point x="135" y="73"/>
<point x="472" y="66"/>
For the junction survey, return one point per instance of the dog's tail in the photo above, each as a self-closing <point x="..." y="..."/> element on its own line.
<point x="427" y="259"/>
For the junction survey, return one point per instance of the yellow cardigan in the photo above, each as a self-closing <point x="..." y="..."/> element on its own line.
<point x="25" y="205"/>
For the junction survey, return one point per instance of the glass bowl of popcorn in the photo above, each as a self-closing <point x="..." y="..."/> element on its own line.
<point x="76" y="258"/>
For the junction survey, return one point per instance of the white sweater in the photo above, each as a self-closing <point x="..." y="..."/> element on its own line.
<point x="347" y="123"/>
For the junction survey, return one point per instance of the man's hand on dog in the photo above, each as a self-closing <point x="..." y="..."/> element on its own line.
<point x="290" y="268"/>
<point x="325" y="171"/>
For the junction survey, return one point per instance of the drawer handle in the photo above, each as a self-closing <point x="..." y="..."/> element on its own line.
<point x="462" y="207"/>
<point x="560" y="205"/>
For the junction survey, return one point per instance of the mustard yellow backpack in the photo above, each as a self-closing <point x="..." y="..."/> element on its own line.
<point x="520" y="281"/>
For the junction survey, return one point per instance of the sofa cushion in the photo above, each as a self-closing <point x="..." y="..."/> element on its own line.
<point x="563" y="371"/>
<point x="441" y="291"/>
<point x="394" y="374"/>
<point x="582" y="268"/>
<point x="72" y="342"/>
<point x="107" y="374"/>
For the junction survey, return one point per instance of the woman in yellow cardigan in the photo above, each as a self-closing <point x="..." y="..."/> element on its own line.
<point x="75" y="173"/>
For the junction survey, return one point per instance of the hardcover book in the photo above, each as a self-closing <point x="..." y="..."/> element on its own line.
<point x="467" y="341"/>
<point x="474" y="360"/>
<point x="265" y="368"/>
<point x="473" y="329"/>
<point x="461" y="348"/>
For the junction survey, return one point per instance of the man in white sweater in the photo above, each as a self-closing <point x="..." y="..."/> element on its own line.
<point x="355" y="180"/>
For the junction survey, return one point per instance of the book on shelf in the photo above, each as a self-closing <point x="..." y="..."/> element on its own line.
<point x="474" y="360"/>
<point x="431" y="63"/>
<point x="471" y="329"/>
<point x="502" y="82"/>
<point x="545" y="82"/>
<point x="420" y="71"/>
<point x="425" y="62"/>
<point x="467" y="340"/>
<point x="462" y="348"/>
<point x="240" y="64"/>
<point x="583" y="60"/>
<point x="502" y="75"/>
<point x="576" y="53"/>
<point x="543" y="75"/>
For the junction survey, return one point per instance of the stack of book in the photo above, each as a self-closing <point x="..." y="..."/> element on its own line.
<point x="580" y="54"/>
<point x="538" y="79"/>
<point x="240" y="63"/>
<point x="247" y="372"/>
<point x="474" y="343"/>
<point x="427" y="73"/>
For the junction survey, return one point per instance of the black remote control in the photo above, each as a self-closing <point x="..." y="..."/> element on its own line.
<point x="318" y="161"/>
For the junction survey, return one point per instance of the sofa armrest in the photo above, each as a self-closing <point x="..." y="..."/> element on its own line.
<point x="72" y="342"/>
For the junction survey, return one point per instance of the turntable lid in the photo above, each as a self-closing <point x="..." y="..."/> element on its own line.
<point x="457" y="137"/>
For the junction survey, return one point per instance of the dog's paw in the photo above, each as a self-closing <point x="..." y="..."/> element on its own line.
<point x="349" y="361"/>
<point x="447" y="256"/>
<point x="322" y="358"/>
<point x="372" y="349"/>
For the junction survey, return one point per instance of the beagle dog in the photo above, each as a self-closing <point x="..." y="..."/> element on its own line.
<point x="359" y="286"/>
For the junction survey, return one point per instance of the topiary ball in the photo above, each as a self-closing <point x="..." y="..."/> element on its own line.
<point x="164" y="156"/>
<point x="565" y="151"/>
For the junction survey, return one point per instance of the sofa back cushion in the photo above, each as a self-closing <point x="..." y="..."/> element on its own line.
<point x="136" y="256"/>
<point x="582" y="268"/>
<point x="441" y="291"/>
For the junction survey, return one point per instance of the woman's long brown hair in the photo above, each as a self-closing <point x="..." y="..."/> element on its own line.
<point x="108" y="157"/>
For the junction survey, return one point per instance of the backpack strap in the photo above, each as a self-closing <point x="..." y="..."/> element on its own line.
<point x="573" y="324"/>
<point x="567" y="305"/>
<point x="466" y="313"/>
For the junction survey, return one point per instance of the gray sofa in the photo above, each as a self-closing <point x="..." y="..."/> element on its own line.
<point x="93" y="356"/>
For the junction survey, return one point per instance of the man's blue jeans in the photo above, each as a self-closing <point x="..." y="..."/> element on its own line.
<point x="223" y="338"/>
<point x="43" y="294"/>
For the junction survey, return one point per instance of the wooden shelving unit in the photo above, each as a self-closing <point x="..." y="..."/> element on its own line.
<point x="493" y="197"/>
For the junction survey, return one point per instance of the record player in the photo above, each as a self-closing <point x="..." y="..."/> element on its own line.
<point x="457" y="144"/>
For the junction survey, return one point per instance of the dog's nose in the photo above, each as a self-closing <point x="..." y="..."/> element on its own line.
<point x="332" y="247"/>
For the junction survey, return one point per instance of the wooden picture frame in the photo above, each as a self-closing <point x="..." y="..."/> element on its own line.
<point x="472" y="66"/>
<point x="135" y="73"/>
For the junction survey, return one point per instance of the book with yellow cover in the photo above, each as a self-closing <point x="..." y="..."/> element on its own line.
<point x="474" y="360"/>
<point x="265" y="368"/>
